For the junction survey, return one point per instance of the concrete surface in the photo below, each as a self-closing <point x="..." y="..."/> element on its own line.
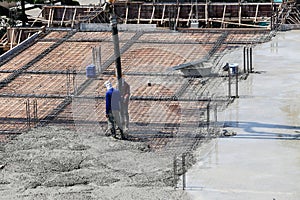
<point x="55" y="163"/>
<point x="263" y="160"/>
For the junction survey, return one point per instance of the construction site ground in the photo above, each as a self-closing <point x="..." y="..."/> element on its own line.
<point x="53" y="143"/>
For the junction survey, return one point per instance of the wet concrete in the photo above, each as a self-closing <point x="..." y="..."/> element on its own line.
<point x="263" y="160"/>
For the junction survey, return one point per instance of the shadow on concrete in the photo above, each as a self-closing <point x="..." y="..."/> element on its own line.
<point x="265" y="131"/>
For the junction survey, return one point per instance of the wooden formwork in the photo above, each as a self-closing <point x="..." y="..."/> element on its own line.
<point x="166" y="14"/>
<point x="15" y="35"/>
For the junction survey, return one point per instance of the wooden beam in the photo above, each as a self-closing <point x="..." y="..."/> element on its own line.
<point x="223" y="18"/>
<point x="52" y="16"/>
<point x="178" y="12"/>
<point x="37" y="17"/>
<point x="49" y="17"/>
<point x="152" y="15"/>
<point x="20" y="35"/>
<point x="256" y="13"/>
<point x="12" y="38"/>
<point x="249" y="25"/>
<point x="163" y="15"/>
<point x="139" y="14"/>
<point x="240" y="14"/>
<point x="190" y="15"/>
<point x="63" y="16"/>
<point x="126" y="14"/>
<point x="73" y="19"/>
<point x="206" y="12"/>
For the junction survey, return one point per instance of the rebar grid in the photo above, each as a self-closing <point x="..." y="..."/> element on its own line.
<point x="168" y="110"/>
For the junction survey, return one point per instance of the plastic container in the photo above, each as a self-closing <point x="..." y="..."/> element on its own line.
<point x="91" y="71"/>
<point x="234" y="68"/>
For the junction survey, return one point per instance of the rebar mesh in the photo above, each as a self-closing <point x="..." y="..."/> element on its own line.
<point x="168" y="110"/>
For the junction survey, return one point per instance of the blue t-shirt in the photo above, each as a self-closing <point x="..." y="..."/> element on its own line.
<point x="113" y="99"/>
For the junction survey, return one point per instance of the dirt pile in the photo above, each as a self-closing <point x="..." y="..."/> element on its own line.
<point x="56" y="163"/>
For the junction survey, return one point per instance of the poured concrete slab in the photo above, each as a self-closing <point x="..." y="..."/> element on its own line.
<point x="263" y="160"/>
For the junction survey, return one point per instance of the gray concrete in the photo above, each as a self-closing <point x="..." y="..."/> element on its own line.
<point x="263" y="160"/>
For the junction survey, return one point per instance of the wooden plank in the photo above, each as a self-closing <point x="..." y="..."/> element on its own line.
<point x="223" y="18"/>
<point x="49" y="19"/>
<point x="73" y="19"/>
<point x="20" y="35"/>
<point x="163" y="15"/>
<point x="63" y="16"/>
<point x="240" y="14"/>
<point x="248" y="25"/>
<point x="190" y="15"/>
<point x="37" y="17"/>
<point x="126" y="15"/>
<point x="256" y="13"/>
<point x="206" y="13"/>
<point x="52" y="16"/>
<point x="152" y="15"/>
<point x="12" y="38"/>
<point x="178" y="12"/>
<point x="139" y="14"/>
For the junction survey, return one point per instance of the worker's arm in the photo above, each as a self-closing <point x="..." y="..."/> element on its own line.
<point x="108" y="103"/>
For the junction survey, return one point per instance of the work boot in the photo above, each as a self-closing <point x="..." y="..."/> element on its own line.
<point x="108" y="133"/>
<point x="123" y="137"/>
<point x="113" y="133"/>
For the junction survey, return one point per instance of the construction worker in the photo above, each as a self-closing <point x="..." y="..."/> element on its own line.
<point x="125" y="100"/>
<point x="113" y="105"/>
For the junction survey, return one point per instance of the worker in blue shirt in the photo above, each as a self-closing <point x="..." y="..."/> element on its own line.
<point x="113" y="110"/>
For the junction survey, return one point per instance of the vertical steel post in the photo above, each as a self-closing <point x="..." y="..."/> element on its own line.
<point x="237" y="83"/>
<point x="251" y="68"/>
<point x="216" y="114"/>
<point x="245" y="60"/>
<point x="248" y="60"/>
<point x="28" y="113"/>
<point x="74" y="82"/>
<point x="183" y="172"/>
<point x="229" y="83"/>
<point x="175" y="171"/>
<point x="208" y="115"/>
<point x="35" y="112"/>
